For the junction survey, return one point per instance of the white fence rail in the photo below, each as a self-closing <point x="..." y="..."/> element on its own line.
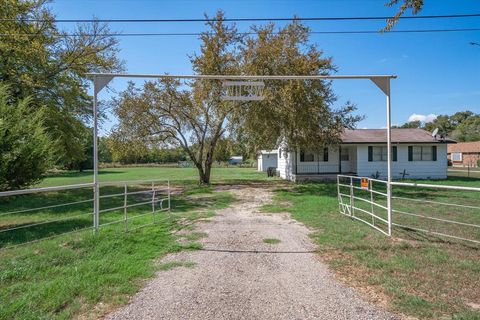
<point x="42" y="213"/>
<point x="418" y="210"/>
<point x="360" y="203"/>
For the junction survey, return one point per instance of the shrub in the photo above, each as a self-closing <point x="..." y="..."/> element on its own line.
<point x="25" y="148"/>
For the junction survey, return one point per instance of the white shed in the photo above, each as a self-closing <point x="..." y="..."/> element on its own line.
<point x="267" y="159"/>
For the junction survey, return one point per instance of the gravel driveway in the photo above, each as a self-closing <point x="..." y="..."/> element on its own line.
<point x="238" y="276"/>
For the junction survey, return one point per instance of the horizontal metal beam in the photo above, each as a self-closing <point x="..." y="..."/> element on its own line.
<point x="47" y="189"/>
<point x="239" y="77"/>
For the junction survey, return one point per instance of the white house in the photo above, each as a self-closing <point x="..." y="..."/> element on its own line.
<point x="267" y="159"/>
<point x="363" y="152"/>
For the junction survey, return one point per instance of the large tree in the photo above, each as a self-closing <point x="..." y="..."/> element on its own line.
<point x="193" y="115"/>
<point x="461" y="126"/>
<point x="25" y="147"/>
<point x="44" y="63"/>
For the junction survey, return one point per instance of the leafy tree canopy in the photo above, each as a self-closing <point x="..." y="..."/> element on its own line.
<point x="193" y="116"/>
<point x="38" y="61"/>
<point x="403" y="5"/>
<point x="461" y="126"/>
<point x="25" y="147"/>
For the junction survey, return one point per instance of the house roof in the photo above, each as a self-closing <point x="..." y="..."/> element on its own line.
<point x="473" y="146"/>
<point x="398" y="136"/>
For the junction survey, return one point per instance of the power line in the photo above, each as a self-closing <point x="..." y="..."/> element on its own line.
<point x="247" y="33"/>
<point x="449" y="16"/>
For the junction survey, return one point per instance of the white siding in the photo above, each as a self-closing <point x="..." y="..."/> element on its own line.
<point x="266" y="160"/>
<point x="415" y="169"/>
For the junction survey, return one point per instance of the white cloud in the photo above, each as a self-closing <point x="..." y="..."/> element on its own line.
<point x="422" y="118"/>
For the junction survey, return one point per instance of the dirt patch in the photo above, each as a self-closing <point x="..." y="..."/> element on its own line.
<point x="237" y="275"/>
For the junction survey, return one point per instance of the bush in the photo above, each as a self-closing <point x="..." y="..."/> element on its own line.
<point x="25" y="148"/>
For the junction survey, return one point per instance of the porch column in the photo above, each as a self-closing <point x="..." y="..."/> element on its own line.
<point x="340" y="159"/>
<point x="296" y="160"/>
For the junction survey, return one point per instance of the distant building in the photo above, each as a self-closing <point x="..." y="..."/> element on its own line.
<point x="235" y="160"/>
<point x="464" y="154"/>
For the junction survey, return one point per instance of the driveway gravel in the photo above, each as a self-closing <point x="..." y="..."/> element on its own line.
<point x="238" y="276"/>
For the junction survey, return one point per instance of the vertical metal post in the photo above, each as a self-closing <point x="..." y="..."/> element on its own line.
<point x="351" y="197"/>
<point x="96" y="192"/>
<point x="168" y="187"/>
<point x="125" y="203"/>
<point x="153" y="201"/>
<point x="338" y="194"/>
<point x="371" y="201"/>
<point x="389" y="159"/>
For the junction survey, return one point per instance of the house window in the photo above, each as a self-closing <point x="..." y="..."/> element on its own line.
<point x="306" y="156"/>
<point x="422" y="153"/>
<point x="345" y="156"/>
<point x="457" y="156"/>
<point x="381" y="154"/>
<point x="280" y="153"/>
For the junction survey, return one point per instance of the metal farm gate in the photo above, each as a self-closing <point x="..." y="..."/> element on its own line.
<point x="415" y="210"/>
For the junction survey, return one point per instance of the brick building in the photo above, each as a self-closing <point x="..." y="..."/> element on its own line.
<point x="464" y="154"/>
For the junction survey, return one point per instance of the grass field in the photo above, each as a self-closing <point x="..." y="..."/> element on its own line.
<point x="14" y="210"/>
<point x="463" y="172"/>
<point x="411" y="273"/>
<point x="85" y="274"/>
<point x="176" y="175"/>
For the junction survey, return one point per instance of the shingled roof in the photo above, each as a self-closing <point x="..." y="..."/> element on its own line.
<point x="470" y="147"/>
<point x="398" y="136"/>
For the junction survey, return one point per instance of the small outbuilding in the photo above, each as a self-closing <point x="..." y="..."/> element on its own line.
<point x="267" y="159"/>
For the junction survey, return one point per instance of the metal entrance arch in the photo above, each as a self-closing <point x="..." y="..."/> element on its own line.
<point x="100" y="80"/>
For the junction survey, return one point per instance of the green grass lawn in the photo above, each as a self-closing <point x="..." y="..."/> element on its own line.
<point x="82" y="274"/>
<point x="419" y="275"/>
<point x="176" y="175"/>
<point x="463" y="172"/>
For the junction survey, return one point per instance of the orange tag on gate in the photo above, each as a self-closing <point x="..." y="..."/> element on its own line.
<point x="364" y="183"/>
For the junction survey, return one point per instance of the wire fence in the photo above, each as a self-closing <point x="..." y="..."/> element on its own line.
<point x="31" y="215"/>
<point x="431" y="212"/>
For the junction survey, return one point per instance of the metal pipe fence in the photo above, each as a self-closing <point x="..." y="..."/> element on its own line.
<point x="419" y="211"/>
<point x="36" y="214"/>
<point x="361" y="202"/>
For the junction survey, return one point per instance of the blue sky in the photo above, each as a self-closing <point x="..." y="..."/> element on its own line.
<point x="438" y="73"/>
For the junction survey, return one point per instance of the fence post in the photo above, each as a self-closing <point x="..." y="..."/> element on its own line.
<point x="351" y="197"/>
<point x="340" y="207"/>
<point x="153" y="201"/>
<point x="125" y="207"/>
<point x="371" y="200"/>
<point x="96" y="192"/>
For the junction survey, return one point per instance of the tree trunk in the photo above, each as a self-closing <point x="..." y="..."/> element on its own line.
<point x="208" y="171"/>
<point x="204" y="178"/>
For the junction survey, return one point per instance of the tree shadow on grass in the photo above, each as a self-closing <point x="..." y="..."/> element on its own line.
<point x="27" y="234"/>
<point x="78" y="174"/>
